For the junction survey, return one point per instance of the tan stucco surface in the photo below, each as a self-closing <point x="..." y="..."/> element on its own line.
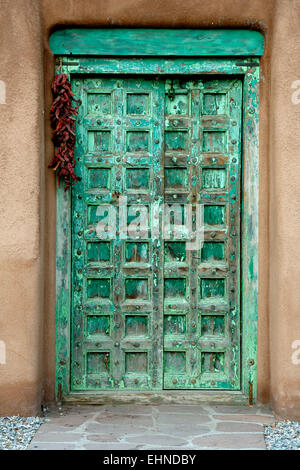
<point x="27" y="236"/>
<point x="21" y="160"/>
<point x="284" y="215"/>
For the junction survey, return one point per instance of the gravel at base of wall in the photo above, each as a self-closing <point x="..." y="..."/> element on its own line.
<point x="16" y="432"/>
<point x="283" y="435"/>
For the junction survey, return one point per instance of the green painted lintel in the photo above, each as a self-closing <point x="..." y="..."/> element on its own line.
<point x="154" y="42"/>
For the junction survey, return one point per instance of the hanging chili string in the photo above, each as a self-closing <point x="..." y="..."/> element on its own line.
<point x="62" y="117"/>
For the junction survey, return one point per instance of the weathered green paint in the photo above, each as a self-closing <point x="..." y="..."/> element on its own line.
<point x="158" y="66"/>
<point x="120" y="138"/>
<point x="63" y="290"/>
<point x="211" y="324"/>
<point x="154" y="42"/>
<point x="137" y="317"/>
<point x="250" y="230"/>
<point x="202" y="163"/>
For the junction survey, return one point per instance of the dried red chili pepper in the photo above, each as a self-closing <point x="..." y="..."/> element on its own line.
<point x="62" y="118"/>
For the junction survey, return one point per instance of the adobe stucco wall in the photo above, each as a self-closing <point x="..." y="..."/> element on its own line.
<point x="27" y="236"/>
<point x="284" y="214"/>
<point x="21" y="160"/>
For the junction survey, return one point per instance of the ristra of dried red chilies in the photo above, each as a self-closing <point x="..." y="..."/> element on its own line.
<point x="62" y="116"/>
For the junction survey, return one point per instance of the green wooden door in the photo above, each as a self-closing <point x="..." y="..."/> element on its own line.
<point x="149" y="312"/>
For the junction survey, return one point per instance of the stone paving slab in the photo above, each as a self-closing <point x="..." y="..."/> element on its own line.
<point x="248" y="418"/>
<point x="245" y="441"/>
<point x="239" y="427"/>
<point x="161" y="427"/>
<point x="184" y="430"/>
<point x="249" y="410"/>
<point x="121" y="428"/>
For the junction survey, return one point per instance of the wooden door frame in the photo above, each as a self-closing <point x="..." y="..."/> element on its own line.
<point x="240" y="63"/>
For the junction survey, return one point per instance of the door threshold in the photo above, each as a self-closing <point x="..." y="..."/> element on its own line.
<point x="159" y="397"/>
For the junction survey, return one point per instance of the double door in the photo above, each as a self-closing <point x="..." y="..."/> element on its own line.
<point x="152" y="308"/>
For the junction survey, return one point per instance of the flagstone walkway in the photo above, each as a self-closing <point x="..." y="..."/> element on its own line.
<point x="161" y="427"/>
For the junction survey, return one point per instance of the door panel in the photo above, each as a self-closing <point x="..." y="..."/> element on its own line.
<point x="147" y="311"/>
<point x="202" y="286"/>
<point x="116" y="341"/>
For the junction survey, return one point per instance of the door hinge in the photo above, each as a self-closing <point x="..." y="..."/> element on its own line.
<point x="59" y="394"/>
<point x="250" y="393"/>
